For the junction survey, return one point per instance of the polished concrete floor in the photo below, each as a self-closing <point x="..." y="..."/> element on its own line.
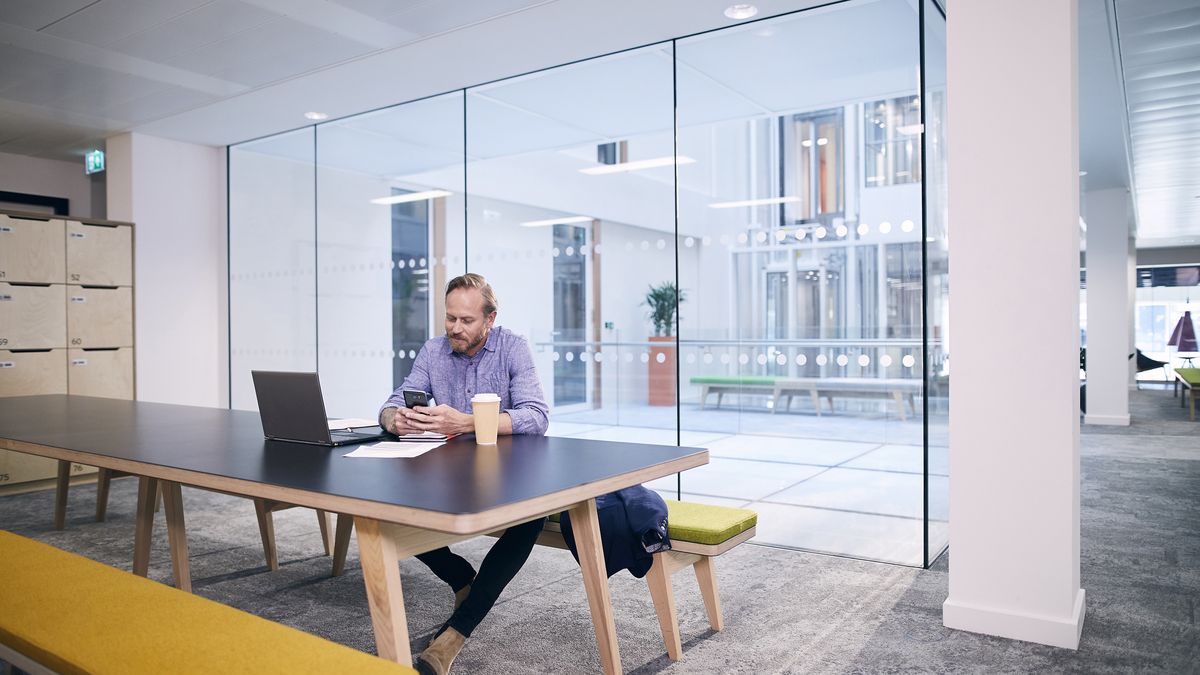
<point x="849" y="482"/>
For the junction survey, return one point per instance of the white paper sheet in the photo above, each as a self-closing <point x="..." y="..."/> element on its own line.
<point x="350" y="423"/>
<point x="391" y="450"/>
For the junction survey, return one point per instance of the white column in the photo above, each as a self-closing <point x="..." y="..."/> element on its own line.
<point x="1110" y="297"/>
<point x="1131" y="279"/>
<point x="174" y="193"/>
<point x="1014" y="224"/>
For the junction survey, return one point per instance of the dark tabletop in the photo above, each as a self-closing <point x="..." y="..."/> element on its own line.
<point x="458" y="478"/>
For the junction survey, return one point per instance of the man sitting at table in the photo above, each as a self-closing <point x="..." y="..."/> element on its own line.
<point x="472" y="357"/>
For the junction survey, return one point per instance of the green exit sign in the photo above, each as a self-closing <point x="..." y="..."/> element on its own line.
<point x="93" y="162"/>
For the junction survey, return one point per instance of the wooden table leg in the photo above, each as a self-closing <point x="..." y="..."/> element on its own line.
<point x="103" y="480"/>
<point x="381" y="574"/>
<point x="147" y="497"/>
<point x="177" y="535"/>
<point x="60" y="494"/>
<point x="341" y="542"/>
<point x="323" y="521"/>
<point x="266" y="531"/>
<point x="586" y="528"/>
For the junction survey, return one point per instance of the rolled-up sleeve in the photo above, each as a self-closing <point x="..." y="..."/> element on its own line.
<point x="529" y="412"/>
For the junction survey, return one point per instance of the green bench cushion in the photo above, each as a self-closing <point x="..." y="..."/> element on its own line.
<point x="1189" y="375"/>
<point x="720" y="379"/>
<point x="703" y="523"/>
<point x="75" y="615"/>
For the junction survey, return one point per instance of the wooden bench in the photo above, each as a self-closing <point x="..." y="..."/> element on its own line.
<point x="62" y="613"/>
<point x="1187" y="380"/>
<point x="698" y="533"/>
<point x="779" y="388"/>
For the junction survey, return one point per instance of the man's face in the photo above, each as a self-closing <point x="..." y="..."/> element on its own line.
<point x="466" y="325"/>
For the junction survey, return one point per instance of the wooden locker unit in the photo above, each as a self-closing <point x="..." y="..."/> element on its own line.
<point x="101" y="372"/>
<point x="18" y="467"/>
<point x="32" y="249"/>
<point x="33" y="372"/>
<point x="99" y="253"/>
<point x="39" y="255"/>
<point x="33" y="316"/>
<point x="99" y="317"/>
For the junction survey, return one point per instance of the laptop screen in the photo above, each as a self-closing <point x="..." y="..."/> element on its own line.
<point x="291" y="407"/>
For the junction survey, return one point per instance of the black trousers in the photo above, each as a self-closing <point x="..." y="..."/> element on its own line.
<point x="499" y="567"/>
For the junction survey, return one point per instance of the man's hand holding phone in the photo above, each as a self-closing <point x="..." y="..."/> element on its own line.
<point x="418" y="415"/>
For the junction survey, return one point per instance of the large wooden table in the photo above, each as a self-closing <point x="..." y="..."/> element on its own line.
<point x="401" y="507"/>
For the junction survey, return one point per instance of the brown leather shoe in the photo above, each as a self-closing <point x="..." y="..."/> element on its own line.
<point x="439" y="655"/>
<point x="461" y="595"/>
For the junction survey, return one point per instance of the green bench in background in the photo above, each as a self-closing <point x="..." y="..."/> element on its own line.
<point x="63" y="613"/>
<point x="780" y="388"/>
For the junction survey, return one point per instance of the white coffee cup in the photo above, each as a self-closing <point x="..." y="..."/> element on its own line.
<point x="485" y="408"/>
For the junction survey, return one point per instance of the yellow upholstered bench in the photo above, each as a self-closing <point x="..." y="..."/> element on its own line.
<point x="699" y="533"/>
<point x="63" y="613"/>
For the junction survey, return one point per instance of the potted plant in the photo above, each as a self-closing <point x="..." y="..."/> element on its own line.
<point x="662" y="300"/>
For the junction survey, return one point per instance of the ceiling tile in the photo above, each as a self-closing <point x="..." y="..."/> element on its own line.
<point x="22" y="65"/>
<point x="431" y="18"/>
<point x="212" y="23"/>
<point x="35" y="14"/>
<point x="383" y="9"/>
<point x="106" y="22"/>
<point x="282" y="48"/>
<point x="161" y="103"/>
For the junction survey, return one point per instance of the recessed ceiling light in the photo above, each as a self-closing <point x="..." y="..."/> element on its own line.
<point x="1082" y="173"/>
<point x="412" y="197"/>
<point x="739" y="12"/>
<point x="565" y="220"/>
<point x="637" y="165"/>
<point x="753" y="202"/>
<point x="316" y="116"/>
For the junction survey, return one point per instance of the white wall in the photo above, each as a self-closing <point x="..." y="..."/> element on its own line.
<point x="174" y="193"/>
<point x="51" y="178"/>
<point x="1014" y="425"/>
<point x="273" y="306"/>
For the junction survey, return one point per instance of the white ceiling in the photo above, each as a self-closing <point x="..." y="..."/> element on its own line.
<point x="73" y="72"/>
<point x="1160" y="53"/>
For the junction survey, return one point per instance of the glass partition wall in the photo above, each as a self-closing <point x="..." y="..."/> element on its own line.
<point x="734" y="240"/>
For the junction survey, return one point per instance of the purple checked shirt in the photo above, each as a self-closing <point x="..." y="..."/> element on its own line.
<point x="504" y="366"/>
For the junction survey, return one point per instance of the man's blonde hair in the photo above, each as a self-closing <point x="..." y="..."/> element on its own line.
<point x="472" y="280"/>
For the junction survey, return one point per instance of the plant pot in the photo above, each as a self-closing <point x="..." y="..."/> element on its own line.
<point x="662" y="375"/>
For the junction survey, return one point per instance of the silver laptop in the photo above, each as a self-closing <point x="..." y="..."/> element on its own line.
<point x="292" y="409"/>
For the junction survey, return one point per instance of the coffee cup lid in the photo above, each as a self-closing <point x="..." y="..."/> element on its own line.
<point x="484" y="397"/>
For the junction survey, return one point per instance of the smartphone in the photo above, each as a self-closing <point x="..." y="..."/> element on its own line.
<point x="415" y="397"/>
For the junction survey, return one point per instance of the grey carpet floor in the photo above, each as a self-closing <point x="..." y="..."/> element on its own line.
<point x="785" y="611"/>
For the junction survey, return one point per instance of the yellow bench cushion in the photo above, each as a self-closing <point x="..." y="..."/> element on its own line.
<point x="1189" y="375"/>
<point x="703" y="523"/>
<point x="75" y="615"/>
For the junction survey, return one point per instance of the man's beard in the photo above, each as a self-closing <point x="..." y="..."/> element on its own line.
<point x="482" y="336"/>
